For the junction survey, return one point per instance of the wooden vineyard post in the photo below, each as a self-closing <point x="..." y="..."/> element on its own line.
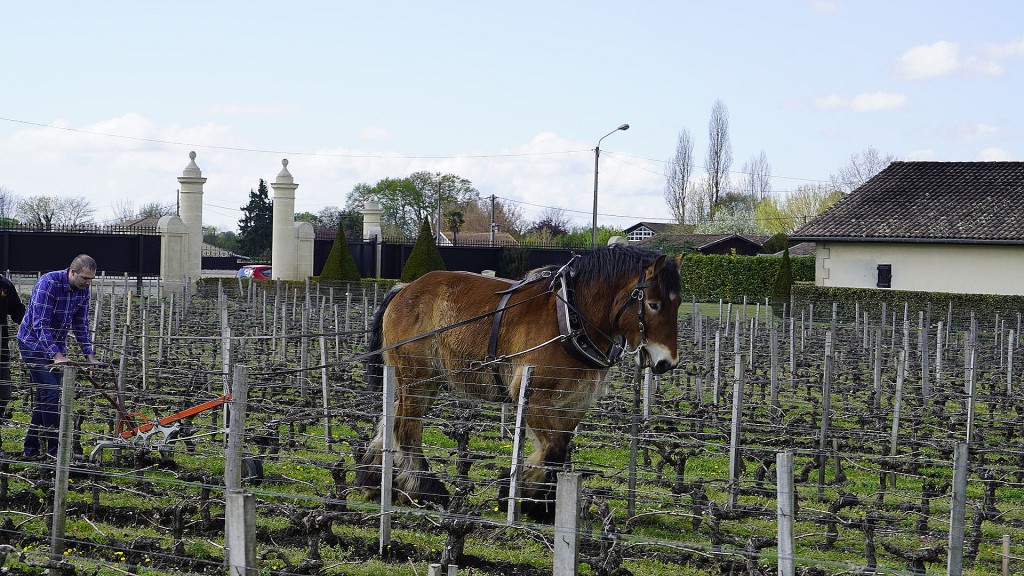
<point x="925" y="368"/>
<point x="387" y="459"/>
<point x="239" y="507"/>
<point x="1009" y="362"/>
<point x="826" y="411"/>
<point x="519" y="436"/>
<point x="567" y="535"/>
<point x="972" y="378"/>
<point x="785" y="511"/>
<point x="901" y="370"/>
<point x="939" y="340"/>
<point x="958" y="511"/>
<point x="63" y="467"/>
<point x="324" y="385"/>
<point x="735" y="431"/>
<point x="877" y="372"/>
<point x="773" y="345"/>
<point x="716" y="375"/>
<point x="1006" y="553"/>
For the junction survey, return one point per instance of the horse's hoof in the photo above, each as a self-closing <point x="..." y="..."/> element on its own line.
<point x="540" y="511"/>
<point x="434" y="491"/>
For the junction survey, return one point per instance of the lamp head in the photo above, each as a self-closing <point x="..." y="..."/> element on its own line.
<point x="623" y="127"/>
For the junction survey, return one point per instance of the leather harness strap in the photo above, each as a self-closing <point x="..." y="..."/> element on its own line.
<point x="492" y="345"/>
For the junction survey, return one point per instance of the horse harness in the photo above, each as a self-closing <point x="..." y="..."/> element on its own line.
<point x="571" y="323"/>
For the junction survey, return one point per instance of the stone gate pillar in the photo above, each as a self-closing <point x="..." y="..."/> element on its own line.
<point x="191" y="212"/>
<point x="173" y="253"/>
<point x="283" y="247"/>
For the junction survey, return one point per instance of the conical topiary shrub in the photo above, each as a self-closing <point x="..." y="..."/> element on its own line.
<point x="782" y="287"/>
<point x="424" y="256"/>
<point x="340" y="265"/>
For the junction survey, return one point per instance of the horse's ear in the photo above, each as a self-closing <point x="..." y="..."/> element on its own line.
<point x="679" y="262"/>
<point x="655" y="267"/>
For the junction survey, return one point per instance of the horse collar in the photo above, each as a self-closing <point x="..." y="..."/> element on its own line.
<point x="570" y="324"/>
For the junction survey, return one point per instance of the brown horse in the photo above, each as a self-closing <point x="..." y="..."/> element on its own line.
<point x="474" y="334"/>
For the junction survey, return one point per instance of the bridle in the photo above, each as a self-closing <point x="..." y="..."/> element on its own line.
<point x="571" y="322"/>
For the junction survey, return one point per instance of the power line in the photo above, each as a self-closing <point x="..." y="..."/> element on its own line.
<point x="289" y="152"/>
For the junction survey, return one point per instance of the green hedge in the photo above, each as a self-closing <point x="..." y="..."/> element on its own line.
<point x="708" y="278"/>
<point x="940" y="305"/>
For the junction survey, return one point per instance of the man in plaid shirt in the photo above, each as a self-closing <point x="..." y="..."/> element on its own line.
<point x="59" y="304"/>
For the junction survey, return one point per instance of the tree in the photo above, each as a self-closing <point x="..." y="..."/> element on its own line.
<point x="726" y="221"/>
<point x="861" y="168"/>
<point x="405" y="202"/>
<point x="677" y="180"/>
<point x="719" y="155"/>
<point x="340" y="265"/>
<point x="425" y="257"/>
<point x="8" y="206"/>
<point x="507" y="216"/>
<point x="256" y="228"/>
<point x="125" y="211"/>
<point x="782" y="286"/>
<point x="227" y="240"/>
<point x="45" y="212"/>
<point x="454" y="220"/>
<point x="796" y="209"/>
<point x="553" y="222"/>
<point x="757" y="174"/>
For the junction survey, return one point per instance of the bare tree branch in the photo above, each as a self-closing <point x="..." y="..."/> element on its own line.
<point x="719" y="155"/>
<point x="678" y="177"/>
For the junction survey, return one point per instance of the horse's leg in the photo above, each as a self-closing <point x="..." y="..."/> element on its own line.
<point x="414" y="396"/>
<point x="552" y="430"/>
<point x="413" y="401"/>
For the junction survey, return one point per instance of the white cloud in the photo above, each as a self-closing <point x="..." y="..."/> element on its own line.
<point x="548" y="170"/>
<point x="1004" y="51"/>
<point x="868" y="102"/>
<point x="995" y="155"/>
<point x="877" y="102"/>
<point x="929" y="61"/>
<point x="830" y="102"/>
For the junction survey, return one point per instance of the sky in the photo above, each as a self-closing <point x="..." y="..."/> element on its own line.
<point x="105" y="100"/>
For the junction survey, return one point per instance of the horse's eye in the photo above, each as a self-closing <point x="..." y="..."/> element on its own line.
<point x="654" y="306"/>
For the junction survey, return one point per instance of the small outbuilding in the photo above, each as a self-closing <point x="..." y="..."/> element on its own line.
<point x="954" y="227"/>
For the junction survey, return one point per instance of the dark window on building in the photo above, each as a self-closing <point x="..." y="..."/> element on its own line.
<point x="885" y="275"/>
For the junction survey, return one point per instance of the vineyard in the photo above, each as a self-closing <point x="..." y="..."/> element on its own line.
<point x="895" y="428"/>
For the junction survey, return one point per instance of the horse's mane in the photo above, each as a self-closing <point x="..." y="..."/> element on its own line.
<point x="618" y="261"/>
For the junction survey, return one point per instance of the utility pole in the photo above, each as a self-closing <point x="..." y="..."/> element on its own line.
<point x="437" y="232"/>
<point x="492" y="219"/>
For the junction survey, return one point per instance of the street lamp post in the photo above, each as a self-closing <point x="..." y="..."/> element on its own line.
<point x="597" y="157"/>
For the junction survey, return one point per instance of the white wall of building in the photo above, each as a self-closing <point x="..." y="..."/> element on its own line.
<point x="955" y="268"/>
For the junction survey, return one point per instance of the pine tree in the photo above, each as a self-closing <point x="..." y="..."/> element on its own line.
<point x="340" y="265"/>
<point x="782" y="287"/>
<point x="425" y="256"/>
<point x="256" y="228"/>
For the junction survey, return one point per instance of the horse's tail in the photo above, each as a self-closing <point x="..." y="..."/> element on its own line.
<point x="375" y="361"/>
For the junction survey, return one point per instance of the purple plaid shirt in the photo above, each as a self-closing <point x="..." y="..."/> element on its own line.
<point x="53" y="310"/>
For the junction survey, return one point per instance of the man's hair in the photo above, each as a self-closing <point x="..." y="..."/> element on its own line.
<point x="83" y="262"/>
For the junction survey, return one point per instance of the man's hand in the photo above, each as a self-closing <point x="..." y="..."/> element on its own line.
<point x="59" y="358"/>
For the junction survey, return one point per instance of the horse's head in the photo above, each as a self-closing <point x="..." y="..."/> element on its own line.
<point x="644" y="289"/>
<point x="657" y="326"/>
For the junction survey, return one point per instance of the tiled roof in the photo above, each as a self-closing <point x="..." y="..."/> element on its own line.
<point x="965" y="201"/>
<point x="703" y="240"/>
<point x="652" y="226"/>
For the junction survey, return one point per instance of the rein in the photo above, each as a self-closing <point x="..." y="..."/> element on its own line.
<point x="570" y="322"/>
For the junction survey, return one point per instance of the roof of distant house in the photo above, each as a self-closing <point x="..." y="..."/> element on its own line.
<point x="973" y="202"/>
